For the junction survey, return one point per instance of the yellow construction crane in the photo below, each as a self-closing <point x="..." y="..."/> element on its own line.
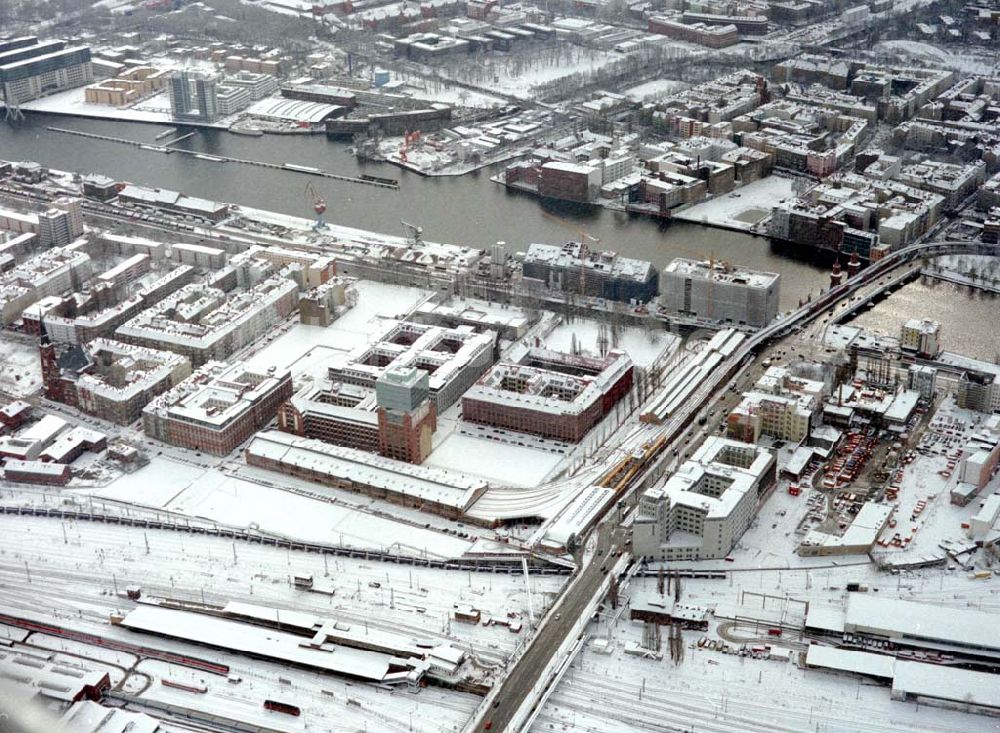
<point x="584" y="236"/>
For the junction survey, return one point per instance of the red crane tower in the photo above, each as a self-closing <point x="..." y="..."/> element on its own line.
<point x="319" y="207"/>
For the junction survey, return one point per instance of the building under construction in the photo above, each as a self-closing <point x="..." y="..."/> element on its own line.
<point x="574" y="268"/>
<point x="718" y="291"/>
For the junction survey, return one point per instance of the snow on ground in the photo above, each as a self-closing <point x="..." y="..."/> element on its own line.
<point x="76" y="568"/>
<point x="968" y="63"/>
<point x="73" y="102"/>
<point x="76" y="573"/>
<point x="500" y="463"/>
<point x="305" y="349"/>
<point x="517" y="75"/>
<point x="645" y="346"/>
<point x="296" y="5"/>
<point x="20" y="369"/>
<point x="436" y="91"/>
<point x="925" y="481"/>
<point x="171" y="479"/>
<point x="742" y="208"/>
<point x="726" y="693"/>
<point x="212" y="494"/>
<point x="276" y="7"/>
<point x="654" y="89"/>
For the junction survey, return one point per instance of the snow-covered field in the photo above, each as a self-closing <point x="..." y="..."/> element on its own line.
<point x="743" y="207"/>
<point x="655" y="89"/>
<point x="155" y="108"/>
<point x="500" y="463"/>
<point x="437" y="91"/>
<point x="72" y="102"/>
<point x="517" y="75"/>
<point x="256" y="499"/>
<point x="967" y="63"/>
<point x="21" y="372"/>
<point x="645" y="346"/>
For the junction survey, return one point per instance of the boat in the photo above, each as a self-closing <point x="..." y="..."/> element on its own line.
<point x="251" y="131"/>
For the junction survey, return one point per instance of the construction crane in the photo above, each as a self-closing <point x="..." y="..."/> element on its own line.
<point x="409" y="138"/>
<point x="414" y="232"/>
<point x="319" y="207"/>
<point x="584" y="236"/>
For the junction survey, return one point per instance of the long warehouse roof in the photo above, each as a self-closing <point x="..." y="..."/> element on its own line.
<point x="257" y="641"/>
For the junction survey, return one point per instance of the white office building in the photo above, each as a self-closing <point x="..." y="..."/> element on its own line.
<point x="921" y="336"/>
<point x="704" y="508"/>
<point x="718" y="291"/>
<point x="923" y="379"/>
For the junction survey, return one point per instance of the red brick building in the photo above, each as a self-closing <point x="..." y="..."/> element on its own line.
<point x="549" y="394"/>
<point x="396" y="420"/>
<point x="217" y="408"/>
<point x="715" y="36"/>
<point x="36" y="472"/>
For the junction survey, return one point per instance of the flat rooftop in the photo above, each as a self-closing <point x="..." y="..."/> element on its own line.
<point x="257" y="641"/>
<point x="721" y="272"/>
<point x="446" y="488"/>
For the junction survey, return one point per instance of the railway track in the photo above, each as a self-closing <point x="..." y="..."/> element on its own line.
<point x="202" y="665"/>
<point x="256" y="537"/>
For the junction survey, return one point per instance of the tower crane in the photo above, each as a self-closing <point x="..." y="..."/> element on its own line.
<point x="584" y="236"/>
<point x="319" y="207"/>
<point x="415" y="232"/>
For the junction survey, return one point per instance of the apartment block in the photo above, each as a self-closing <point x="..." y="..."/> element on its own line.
<point x="205" y="324"/>
<point x="109" y="379"/>
<point x="217" y="408"/>
<point x="549" y="394"/>
<point x="718" y="291"/>
<point x="701" y="511"/>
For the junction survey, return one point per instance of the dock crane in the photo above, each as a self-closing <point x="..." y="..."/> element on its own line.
<point x="319" y="207"/>
<point x="415" y="233"/>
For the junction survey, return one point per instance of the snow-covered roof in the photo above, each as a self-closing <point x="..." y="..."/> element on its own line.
<point x="36" y="468"/>
<point x="711" y="462"/>
<point x="800" y="458"/>
<point x="548" y="390"/>
<point x="87" y="716"/>
<point x="946" y="683"/>
<point x="846" y="660"/>
<point x="860" y="534"/>
<point x="44" y="430"/>
<point x="292" y="110"/>
<point x="63" y="680"/>
<point x="721" y="273"/>
<point x="579" y="168"/>
<point x="447" y="488"/>
<point x="327" y="630"/>
<point x="257" y="641"/>
<point x="578" y="514"/>
<point x="923" y="621"/>
<point x="217" y="394"/>
<point x="902" y="406"/>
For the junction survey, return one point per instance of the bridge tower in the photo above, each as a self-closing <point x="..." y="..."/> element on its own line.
<point x="836" y="274"/>
<point x="854" y="265"/>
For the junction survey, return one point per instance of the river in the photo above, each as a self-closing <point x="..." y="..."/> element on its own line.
<point x="469" y="210"/>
